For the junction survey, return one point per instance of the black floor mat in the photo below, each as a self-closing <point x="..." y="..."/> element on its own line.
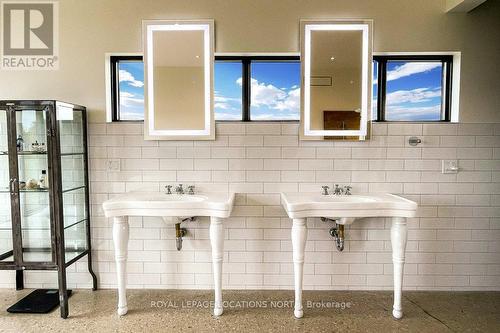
<point x="38" y="301"/>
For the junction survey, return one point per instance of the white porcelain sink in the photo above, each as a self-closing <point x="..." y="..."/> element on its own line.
<point x="161" y="204"/>
<point x="345" y="209"/>
<point x="299" y="205"/>
<point x="215" y="205"/>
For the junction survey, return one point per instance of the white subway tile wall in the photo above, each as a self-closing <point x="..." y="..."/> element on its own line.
<point x="453" y="243"/>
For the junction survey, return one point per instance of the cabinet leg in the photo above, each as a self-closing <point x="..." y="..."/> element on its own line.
<point x="91" y="271"/>
<point x="217" y="242"/>
<point x="120" y="240"/>
<point x="63" y="291"/>
<point x="399" y="233"/>
<point x="299" y="237"/>
<point x="19" y="279"/>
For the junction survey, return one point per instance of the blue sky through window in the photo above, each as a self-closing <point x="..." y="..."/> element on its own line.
<point x="413" y="91"/>
<point x="227" y="99"/>
<point x="131" y="87"/>
<point x="275" y="91"/>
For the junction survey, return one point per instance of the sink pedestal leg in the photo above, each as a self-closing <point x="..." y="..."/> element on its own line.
<point x="399" y="232"/>
<point x="120" y="240"/>
<point x="217" y="241"/>
<point x="299" y="236"/>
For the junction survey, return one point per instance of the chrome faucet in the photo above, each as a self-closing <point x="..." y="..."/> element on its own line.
<point x="338" y="190"/>
<point x="191" y="190"/>
<point x="347" y="190"/>
<point x="179" y="189"/>
<point x="325" y="189"/>
<point x="169" y="189"/>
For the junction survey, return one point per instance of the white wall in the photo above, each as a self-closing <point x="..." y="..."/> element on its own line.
<point x="454" y="243"/>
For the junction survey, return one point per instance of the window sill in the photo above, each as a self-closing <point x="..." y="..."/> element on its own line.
<point x="412" y="122"/>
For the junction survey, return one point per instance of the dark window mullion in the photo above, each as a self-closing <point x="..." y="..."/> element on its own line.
<point x="246" y="89"/>
<point x="115" y="83"/>
<point x="382" y="88"/>
<point x="114" y="89"/>
<point x="447" y="87"/>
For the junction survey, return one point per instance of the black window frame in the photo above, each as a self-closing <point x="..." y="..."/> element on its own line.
<point x="446" y="87"/>
<point x="115" y="84"/>
<point x="246" y="75"/>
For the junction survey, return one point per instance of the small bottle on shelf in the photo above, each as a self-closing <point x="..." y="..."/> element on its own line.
<point x="20" y="143"/>
<point x="44" y="180"/>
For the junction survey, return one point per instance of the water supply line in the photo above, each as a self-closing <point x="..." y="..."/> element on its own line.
<point x="337" y="232"/>
<point x="181" y="232"/>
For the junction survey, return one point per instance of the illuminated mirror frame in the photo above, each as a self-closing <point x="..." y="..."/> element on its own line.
<point x="151" y="26"/>
<point x="306" y="29"/>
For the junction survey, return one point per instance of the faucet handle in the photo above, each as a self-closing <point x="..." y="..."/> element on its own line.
<point x="347" y="190"/>
<point x="338" y="190"/>
<point x="169" y="189"/>
<point x="325" y="189"/>
<point x="191" y="189"/>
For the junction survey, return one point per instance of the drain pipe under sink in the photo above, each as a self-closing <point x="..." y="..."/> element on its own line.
<point x="337" y="232"/>
<point x="181" y="232"/>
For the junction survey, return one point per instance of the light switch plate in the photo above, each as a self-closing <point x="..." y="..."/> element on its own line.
<point x="113" y="165"/>
<point x="449" y="166"/>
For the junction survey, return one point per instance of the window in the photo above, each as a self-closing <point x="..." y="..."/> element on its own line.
<point x="257" y="88"/>
<point x="246" y="88"/>
<point x="127" y="88"/>
<point x="412" y="88"/>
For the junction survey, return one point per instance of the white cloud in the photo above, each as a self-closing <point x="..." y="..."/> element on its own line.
<point x="129" y="78"/>
<point x="418" y="95"/>
<point x="413" y="113"/>
<point x="131" y="100"/>
<point x="272" y="97"/>
<point x="227" y="103"/>
<point x="223" y="99"/>
<point x="131" y="115"/>
<point x="227" y="116"/>
<point x="291" y="102"/>
<point x="273" y="116"/>
<point x="411" y="68"/>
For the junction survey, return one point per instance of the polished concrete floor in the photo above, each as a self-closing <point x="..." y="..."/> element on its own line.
<point x="262" y="311"/>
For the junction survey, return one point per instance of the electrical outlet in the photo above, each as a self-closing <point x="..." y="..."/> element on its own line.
<point x="449" y="166"/>
<point x="113" y="165"/>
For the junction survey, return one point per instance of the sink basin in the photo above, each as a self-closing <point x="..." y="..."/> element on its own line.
<point x="345" y="209"/>
<point x="341" y="198"/>
<point x="177" y="197"/>
<point x="161" y="204"/>
<point x="300" y="205"/>
<point x="217" y="206"/>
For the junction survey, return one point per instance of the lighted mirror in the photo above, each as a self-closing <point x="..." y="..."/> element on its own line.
<point x="336" y="72"/>
<point x="178" y="70"/>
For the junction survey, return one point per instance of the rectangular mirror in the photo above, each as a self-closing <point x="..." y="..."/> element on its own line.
<point x="336" y="79"/>
<point x="178" y="75"/>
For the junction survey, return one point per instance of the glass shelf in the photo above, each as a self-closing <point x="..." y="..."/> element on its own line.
<point x="39" y="190"/>
<point x="46" y="255"/>
<point x="27" y="153"/>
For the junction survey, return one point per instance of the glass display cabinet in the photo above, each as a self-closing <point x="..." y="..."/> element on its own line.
<point x="44" y="189"/>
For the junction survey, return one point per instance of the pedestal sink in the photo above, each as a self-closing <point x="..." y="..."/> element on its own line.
<point x="345" y="209"/>
<point x="215" y="205"/>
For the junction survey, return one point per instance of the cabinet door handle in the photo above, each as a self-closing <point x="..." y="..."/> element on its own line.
<point x="13" y="186"/>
